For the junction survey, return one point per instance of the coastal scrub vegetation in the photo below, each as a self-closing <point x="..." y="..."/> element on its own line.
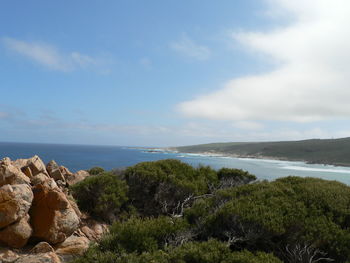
<point x="178" y="213"/>
<point x="96" y="170"/>
<point x="101" y="195"/>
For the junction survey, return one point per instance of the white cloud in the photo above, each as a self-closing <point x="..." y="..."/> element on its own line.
<point x="48" y="55"/>
<point x="189" y="48"/>
<point x="311" y="78"/>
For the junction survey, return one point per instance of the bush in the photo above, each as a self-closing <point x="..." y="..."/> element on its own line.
<point x="102" y="196"/>
<point x="159" y="187"/>
<point x="271" y="216"/>
<point x="142" y="235"/>
<point x="96" y="170"/>
<point x="234" y="177"/>
<point x="211" y="251"/>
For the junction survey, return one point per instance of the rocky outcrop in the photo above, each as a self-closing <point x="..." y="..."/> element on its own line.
<point x="35" y="206"/>
<point x="31" y="166"/>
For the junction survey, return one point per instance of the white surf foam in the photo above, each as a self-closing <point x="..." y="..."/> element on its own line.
<point x="313" y="169"/>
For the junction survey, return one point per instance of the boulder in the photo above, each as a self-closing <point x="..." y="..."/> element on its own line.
<point x="77" y="177"/>
<point x="36" y="165"/>
<point x="39" y="179"/>
<point x="72" y="247"/>
<point x="94" y="230"/>
<point x="52" y="217"/>
<point x="42" y="247"/>
<point x="54" y="171"/>
<point x="17" y="234"/>
<point x="50" y="257"/>
<point x="65" y="171"/>
<point x="11" y="174"/>
<point x="20" y="163"/>
<point x="15" y="201"/>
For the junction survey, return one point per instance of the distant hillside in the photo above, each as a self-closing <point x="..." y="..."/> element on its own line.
<point x="329" y="151"/>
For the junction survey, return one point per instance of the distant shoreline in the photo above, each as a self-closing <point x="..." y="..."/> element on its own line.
<point x="259" y="157"/>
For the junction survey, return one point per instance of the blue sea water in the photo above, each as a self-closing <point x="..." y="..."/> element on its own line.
<point x="79" y="157"/>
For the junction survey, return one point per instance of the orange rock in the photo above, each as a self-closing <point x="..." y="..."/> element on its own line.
<point x="73" y="245"/>
<point x="77" y="177"/>
<point x="17" y="234"/>
<point x="54" y="171"/>
<point x="11" y="174"/>
<point x="36" y="165"/>
<point x="15" y="201"/>
<point x="52" y="217"/>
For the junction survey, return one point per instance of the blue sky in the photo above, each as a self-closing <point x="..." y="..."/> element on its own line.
<point x="160" y="73"/>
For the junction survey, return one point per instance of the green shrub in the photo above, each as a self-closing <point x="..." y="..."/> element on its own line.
<point x="211" y="251"/>
<point x="142" y="235"/>
<point x="248" y="257"/>
<point x="102" y="196"/>
<point x="158" y="187"/>
<point x="95" y="255"/>
<point x="270" y="216"/>
<point x="234" y="177"/>
<point x="96" y="170"/>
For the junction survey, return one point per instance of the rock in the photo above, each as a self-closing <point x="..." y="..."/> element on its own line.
<point x="11" y="174"/>
<point x="17" y="234"/>
<point x="73" y="246"/>
<point x="93" y="230"/>
<point x="36" y="165"/>
<point x="39" y="179"/>
<point x="54" y="171"/>
<point x="40" y="258"/>
<point x="8" y="256"/>
<point x="26" y="170"/>
<point x="15" y="201"/>
<point x="77" y="177"/>
<point x="20" y="163"/>
<point x="74" y="205"/>
<point x="42" y="247"/>
<point x="52" y="217"/>
<point x="65" y="171"/>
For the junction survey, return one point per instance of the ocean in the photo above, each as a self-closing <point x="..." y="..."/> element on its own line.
<point x="80" y="157"/>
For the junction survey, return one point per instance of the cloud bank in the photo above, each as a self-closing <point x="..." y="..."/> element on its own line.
<point x="310" y="79"/>
<point x="49" y="56"/>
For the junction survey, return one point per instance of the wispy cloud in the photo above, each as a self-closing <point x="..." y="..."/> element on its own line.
<point x="49" y="56"/>
<point x="310" y="81"/>
<point x="189" y="48"/>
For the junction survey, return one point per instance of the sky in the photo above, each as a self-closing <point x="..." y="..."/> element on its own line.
<point x="168" y="73"/>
